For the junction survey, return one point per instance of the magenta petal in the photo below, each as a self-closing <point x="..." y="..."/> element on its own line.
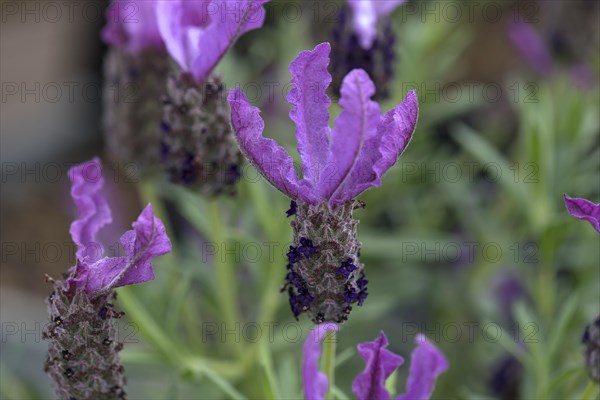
<point x="381" y="363"/>
<point x="366" y="14"/>
<point x="315" y="382"/>
<point x="132" y="26"/>
<point x="93" y="210"/>
<point x="234" y="18"/>
<point x="585" y="210"/>
<point x="310" y="112"/>
<point x="426" y="364"/>
<point x="381" y="151"/>
<point x="269" y="158"/>
<point x="181" y="23"/>
<point x="351" y="137"/>
<point x="145" y="241"/>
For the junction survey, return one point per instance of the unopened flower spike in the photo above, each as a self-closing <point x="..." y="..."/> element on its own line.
<point x="585" y="210"/>
<point x="426" y="365"/>
<point x="325" y="277"/>
<point x="83" y="349"/>
<point x="198" y="148"/>
<point x="135" y="70"/>
<point x="364" y="38"/>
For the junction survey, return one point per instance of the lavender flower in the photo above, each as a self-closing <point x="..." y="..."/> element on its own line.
<point x="198" y="147"/>
<point x="82" y="356"/>
<point x="427" y="363"/>
<point x="585" y="210"/>
<point x="364" y="38"/>
<point x="556" y="43"/>
<point x="337" y="165"/>
<point x="132" y="26"/>
<point x="367" y="14"/>
<point x="136" y="69"/>
<point x="532" y="47"/>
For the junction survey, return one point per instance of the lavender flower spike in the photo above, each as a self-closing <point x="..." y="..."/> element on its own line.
<point x="198" y="147"/>
<point x="366" y="16"/>
<point x="82" y="355"/>
<point x="585" y="210"/>
<point x="135" y="68"/>
<point x="325" y="276"/>
<point x="427" y="363"/>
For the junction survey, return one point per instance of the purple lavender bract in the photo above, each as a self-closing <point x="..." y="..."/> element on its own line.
<point x="97" y="275"/>
<point x="585" y="210"/>
<point x="340" y="163"/>
<point x="427" y="363"/>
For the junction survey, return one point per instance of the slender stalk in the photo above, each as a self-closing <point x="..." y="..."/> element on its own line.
<point x="329" y="346"/>
<point x="224" y="273"/>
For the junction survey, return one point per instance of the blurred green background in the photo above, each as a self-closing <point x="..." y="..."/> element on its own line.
<point x="468" y="239"/>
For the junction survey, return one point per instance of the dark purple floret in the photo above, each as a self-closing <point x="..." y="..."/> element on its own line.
<point x="362" y="282"/>
<point x="350" y="295"/>
<point x="164" y="127"/>
<point x="362" y="296"/>
<point x="346" y="268"/>
<point x="306" y="247"/>
<point x="293" y="255"/>
<point x="293" y="209"/>
<point x="103" y="312"/>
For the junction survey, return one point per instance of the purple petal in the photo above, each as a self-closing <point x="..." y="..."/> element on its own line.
<point x="234" y="18"/>
<point x="585" y="210"/>
<point x="181" y="23"/>
<point x="315" y="382"/>
<point x="426" y="364"/>
<point x="310" y="112"/>
<point x="147" y="240"/>
<point x="381" y="363"/>
<point x="531" y="46"/>
<point x="132" y="26"/>
<point x="269" y="158"/>
<point x="366" y="14"/>
<point x="352" y="131"/>
<point x="380" y="153"/>
<point x="93" y="210"/>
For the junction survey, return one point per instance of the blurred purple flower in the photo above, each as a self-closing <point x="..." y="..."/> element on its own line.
<point x="532" y="47"/>
<point x="585" y="210"/>
<point x="427" y="363"/>
<point x="198" y="33"/>
<point x="132" y="26"/>
<point x="147" y="239"/>
<point x="337" y="164"/>
<point x="366" y="15"/>
<point x="315" y="382"/>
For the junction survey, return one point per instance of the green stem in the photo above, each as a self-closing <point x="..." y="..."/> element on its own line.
<point x="329" y="345"/>
<point x="224" y="273"/>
